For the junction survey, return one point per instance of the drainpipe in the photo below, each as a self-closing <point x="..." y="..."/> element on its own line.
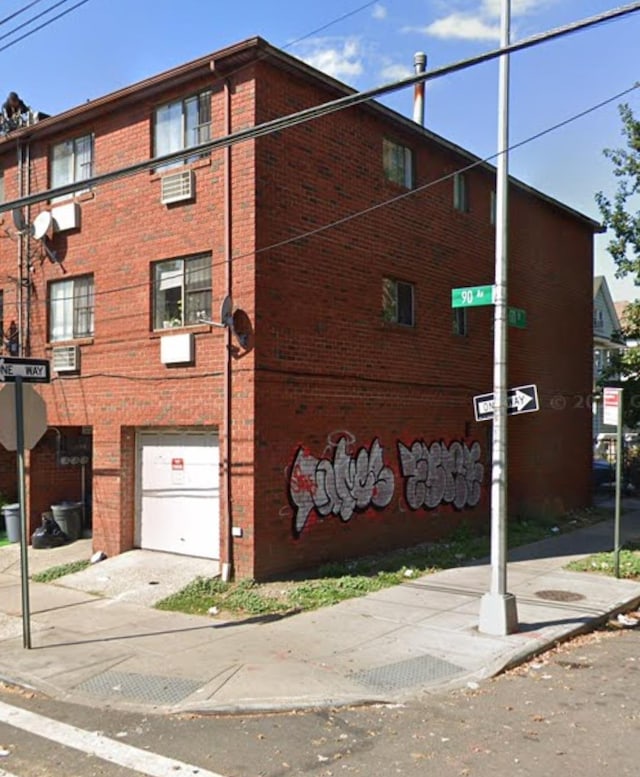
<point x="420" y="65"/>
<point x="26" y="183"/>
<point x="226" y="569"/>
<point x="20" y="289"/>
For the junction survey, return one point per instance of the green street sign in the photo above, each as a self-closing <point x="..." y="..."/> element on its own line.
<point x="517" y="317"/>
<point x="471" y="296"/>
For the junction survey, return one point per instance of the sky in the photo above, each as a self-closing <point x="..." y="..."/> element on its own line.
<point x="100" y="46"/>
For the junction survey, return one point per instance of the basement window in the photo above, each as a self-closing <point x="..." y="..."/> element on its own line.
<point x="397" y="302"/>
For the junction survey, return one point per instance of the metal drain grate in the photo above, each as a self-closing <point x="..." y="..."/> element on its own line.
<point x="554" y="595"/>
<point x="141" y="687"/>
<point x="404" y="674"/>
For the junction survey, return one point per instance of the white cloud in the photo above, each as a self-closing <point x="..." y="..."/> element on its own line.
<point x="379" y="11"/>
<point x="395" y="72"/>
<point x="340" y="58"/>
<point x="480" y="21"/>
<point x="463" y="26"/>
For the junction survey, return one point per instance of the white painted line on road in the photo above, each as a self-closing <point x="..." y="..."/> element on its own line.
<point x="91" y="742"/>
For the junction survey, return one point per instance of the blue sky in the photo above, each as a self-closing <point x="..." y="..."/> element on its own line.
<point x="104" y="45"/>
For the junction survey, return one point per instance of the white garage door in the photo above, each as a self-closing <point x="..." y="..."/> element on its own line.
<point x="179" y="492"/>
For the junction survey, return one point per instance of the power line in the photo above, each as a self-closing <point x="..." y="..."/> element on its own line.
<point x="384" y="203"/>
<point x="315" y="112"/>
<point x="40" y="26"/>
<point x="19" y="11"/>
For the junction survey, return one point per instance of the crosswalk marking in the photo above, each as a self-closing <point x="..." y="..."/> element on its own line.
<point x="91" y="742"/>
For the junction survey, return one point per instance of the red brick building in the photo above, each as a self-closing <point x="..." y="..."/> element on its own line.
<point x="346" y="384"/>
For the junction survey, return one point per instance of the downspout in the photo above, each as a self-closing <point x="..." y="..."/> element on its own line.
<point x="20" y="290"/>
<point x="227" y="513"/>
<point x="26" y="183"/>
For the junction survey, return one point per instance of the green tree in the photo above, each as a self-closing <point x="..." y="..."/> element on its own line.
<point x="621" y="217"/>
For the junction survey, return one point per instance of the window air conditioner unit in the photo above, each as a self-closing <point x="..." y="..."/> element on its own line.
<point x="66" y="358"/>
<point x="177" y="187"/>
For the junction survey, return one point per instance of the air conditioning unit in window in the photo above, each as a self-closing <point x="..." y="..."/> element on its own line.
<point x="177" y="187"/>
<point x="65" y="358"/>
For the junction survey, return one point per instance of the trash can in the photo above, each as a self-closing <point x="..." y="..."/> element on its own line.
<point x="68" y="516"/>
<point x="11" y="514"/>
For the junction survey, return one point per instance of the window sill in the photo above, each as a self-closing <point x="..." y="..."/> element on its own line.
<point x="195" y="328"/>
<point x="205" y="162"/>
<point x="77" y="341"/>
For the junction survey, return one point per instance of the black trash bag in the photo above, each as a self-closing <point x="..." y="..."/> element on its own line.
<point x="49" y="535"/>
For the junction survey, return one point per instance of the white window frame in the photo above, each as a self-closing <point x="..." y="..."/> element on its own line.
<point x="173" y="274"/>
<point x="393" y="297"/>
<point x="71" y="308"/>
<point x="72" y="161"/>
<point x="397" y="161"/>
<point x="180" y="131"/>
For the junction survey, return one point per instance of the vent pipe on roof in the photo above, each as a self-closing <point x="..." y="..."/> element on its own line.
<point x="420" y="65"/>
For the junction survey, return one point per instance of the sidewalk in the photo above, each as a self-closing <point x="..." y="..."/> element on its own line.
<point x="389" y="646"/>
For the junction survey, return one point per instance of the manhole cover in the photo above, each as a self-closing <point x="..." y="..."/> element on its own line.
<point x="559" y="596"/>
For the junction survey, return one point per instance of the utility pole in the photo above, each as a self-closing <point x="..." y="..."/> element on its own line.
<point x="498" y="613"/>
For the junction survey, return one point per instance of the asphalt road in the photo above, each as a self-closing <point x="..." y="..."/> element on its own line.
<point x="576" y="710"/>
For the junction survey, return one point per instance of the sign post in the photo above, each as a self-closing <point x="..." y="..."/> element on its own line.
<point x="17" y="371"/>
<point x="612" y="415"/>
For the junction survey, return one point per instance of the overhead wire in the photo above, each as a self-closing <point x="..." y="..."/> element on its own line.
<point x="40" y="26"/>
<point x="361" y="97"/>
<point x="20" y="11"/>
<point x="308" y="114"/>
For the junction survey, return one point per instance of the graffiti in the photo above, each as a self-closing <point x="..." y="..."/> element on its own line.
<point x="348" y="482"/>
<point x="437" y="473"/>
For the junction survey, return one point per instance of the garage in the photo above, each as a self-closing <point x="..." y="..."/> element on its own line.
<point x="179" y="492"/>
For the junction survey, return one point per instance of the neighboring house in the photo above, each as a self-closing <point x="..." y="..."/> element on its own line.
<point x="338" y="418"/>
<point x="605" y="326"/>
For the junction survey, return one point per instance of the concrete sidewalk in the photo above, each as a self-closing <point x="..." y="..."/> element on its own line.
<point x="98" y="647"/>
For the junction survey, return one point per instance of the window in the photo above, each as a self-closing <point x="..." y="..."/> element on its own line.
<point x="1" y="186"/>
<point x="598" y="319"/>
<point x="492" y="209"/>
<point x="397" y="302"/>
<point x="182" y="124"/>
<point x="72" y="161"/>
<point x="460" y="192"/>
<point x="181" y="291"/>
<point x="71" y="305"/>
<point x="398" y="163"/>
<point x="460" y="322"/>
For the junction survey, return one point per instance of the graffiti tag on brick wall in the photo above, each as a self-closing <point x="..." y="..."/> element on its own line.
<point x="346" y="483"/>
<point x="438" y="473"/>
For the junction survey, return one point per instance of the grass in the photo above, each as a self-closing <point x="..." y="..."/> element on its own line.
<point x="336" y="581"/>
<point x="604" y="563"/>
<point x="53" y="573"/>
<point x="4" y="540"/>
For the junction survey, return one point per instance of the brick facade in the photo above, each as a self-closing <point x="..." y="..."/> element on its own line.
<point x="324" y="387"/>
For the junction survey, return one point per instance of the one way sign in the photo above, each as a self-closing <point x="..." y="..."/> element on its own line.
<point x="522" y="399"/>
<point x="28" y="370"/>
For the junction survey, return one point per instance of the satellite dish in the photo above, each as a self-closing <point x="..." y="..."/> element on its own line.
<point x="226" y="316"/>
<point x="18" y="219"/>
<point x="41" y="224"/>
<point x="53" y="256"/>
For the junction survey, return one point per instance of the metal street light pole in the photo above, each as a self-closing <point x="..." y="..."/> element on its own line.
<point x="498" y="613"/>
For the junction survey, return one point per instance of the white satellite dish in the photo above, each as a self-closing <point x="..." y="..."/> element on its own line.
<point x="41" y="224"/>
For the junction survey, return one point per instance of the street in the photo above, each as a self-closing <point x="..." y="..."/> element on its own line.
<point x="574" y="710"/>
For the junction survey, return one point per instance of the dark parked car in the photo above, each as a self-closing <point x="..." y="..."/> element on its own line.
<point x="603" y="472"/>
